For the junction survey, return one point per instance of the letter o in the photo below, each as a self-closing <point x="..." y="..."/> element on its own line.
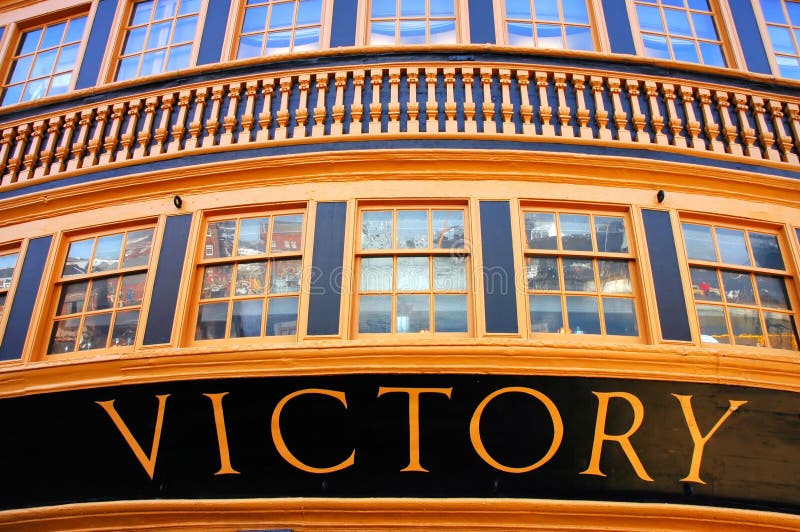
<point x="475" y="429"/>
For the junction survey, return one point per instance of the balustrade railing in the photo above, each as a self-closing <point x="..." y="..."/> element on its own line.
<point x="498" y="102"/>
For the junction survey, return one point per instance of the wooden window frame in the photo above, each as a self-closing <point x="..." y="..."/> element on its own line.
<point x="428" y="252"/>
<point x="769" y="47"/>
<point x="596" y="25"/>
<point x="636" y="294"/>
<point x="461" y="9"/>
<point x="719" y="267"/>
<point x="268" y="258"/>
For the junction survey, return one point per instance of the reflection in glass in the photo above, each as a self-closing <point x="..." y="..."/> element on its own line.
<point x="219" y="239"/>
<point x="251" y="278"/>
<point x="582" y="315"/>
<point x="520" y="34"/>
<point x="282" y="316"/>
<point x="412" y="32"/>
<point x="738" y="288"/>
<point x="620" y="316"/>
<point x="211" y="321"/>
<point x="376" y="230"/>
<point x="615" y="276"/>
<point x="649" y="18"/>
<point x="746" y="326"/>
<point x="575" y="12"/>
<point x="705" y="284"/>
<point x="7" y="265"/>
<point x="375" y="314"/>
<point x="246" y="318"/>
<point x="2" y="302"/>
<point x="65" y="333"/>
<point x="540" y="229"/>
<point x="576" y="234"/>
<point x="546" y="315"/>
<point x="518" y="9"/>
<point x="450" y="273"/>
<point x="699" y="243"/>
<point x="287" y="232"/>
<point x="579" y="275"/>
<point x="412" y="8"/>
<point x="442" y="8"/>
<point x="766" y="251"/>
<point x="103" y="294"/>
<point x="132" y="290"/>
<point x="309" y="12"/>
<point x="412" y="229"/>
<point x="253" y="235"/>
<point x="732" y="247"/>
<point x="450" y="313"/>
<point x="412" y="273"/>
<point x="73" y="296"/>
<point x="542" y="273"/>
<point x="137" y="248"/>
<point x="95" y="332"/>
<point x="376" y="274"/>
<point x="106" y="256"/>
<point x="285" y="276"/>
<point x="713" y="328"/>
<point x="781" y="330"/>
<point x="448" y="229"/>
<point x="125" y="324"/>
<point x="216" y="281"/>
<point x="413" y="314"/>
<point x="549" y="36"/>
<point x="772" y="292"/>
<point x="381" y="33"/>
<point x="442" y="31"/>
<point x="78" y="258"/>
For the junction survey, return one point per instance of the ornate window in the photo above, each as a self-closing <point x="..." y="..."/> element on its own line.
<point x="413" y="266"/>
<point x="271" y="27"/>
<point x="782" y="19"/>
<point x="682" y="30"/>
<point x="580" y="273"/>
<point x="414" y="21"/>
<point x="548" y="23"/>
<point x="100" y="291"/>
<point x="44" y="61"/>
<point x="249" y="276"/>
<point x="160" y="36"/>
<point x="741" y="286"/>
<point x="8" y="265"/>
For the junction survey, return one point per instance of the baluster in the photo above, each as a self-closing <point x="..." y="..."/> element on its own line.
<point x="765" y="136"/>
<point x="637" y="117"/>
<point x="230" y="121"/>
<point x="357" y="108"/>
<point x="265" y="116"/>
<point x="656" y="119"/>
<point x="301" y="114"/>
<point x="675" y="123"/>
<point x="320" y="111"/>
<point x="179" y="129"/>
<point x="712" y="128"/>
<point x="196" y="125"/>
<point x="112" y="139"/>
<point x="729" y="132"/>
<point x="582" y="112"/>
<point x="545" y="111"/>
<point x="338" y="106"/>
<point x="748" y="134"/>
<point x="564" y="112"/>
<point x="793" y="110"/>
<point x="79" y="146"/>
<point x="431" y="105"/>
<point x="134" y="107"/>
<point x="489" y="125"/>
<point x="145" y="134"/>
<point x="62" y="152"/>
<point x="375" y="107"/>
<point x="248" y="118"/>
<point x="525" y="108"/>
<point x="470" y="125"/>
<point x="49" y="151"/>
<point x="450" y="124"/>
<point x="620" y="116"/>
<point x="33" y="150"/>
<point x="96" y="142"/>
<point x="506" y="108"/>
<point x="281" y="131"/>
<point x="162" y="131"/>
<point x="5" y="151"/>
<point x="692" y="124"/>
<point x="412" y="107"/>
<point x="15" y="162"/>
<point x="600" y="112"/>
<point x="212" y="124"/>
<point x="394" y="101"/>
<point x="783" y="139"/>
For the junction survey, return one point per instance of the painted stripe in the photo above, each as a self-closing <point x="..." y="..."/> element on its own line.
<point x="97" y="44"/>
<point x="672" y="314"/>
<point x="343" y="23"/>
<point x="499" y="290"/>
<point x="171" y="258"/>
<point x="21" y="310"/>
<point x="755" y="54"/>
<point x="213" y="32"/>
<point x="481" y="22"/>
<point x="326" y="273"/>
<point x="618" y="25"/>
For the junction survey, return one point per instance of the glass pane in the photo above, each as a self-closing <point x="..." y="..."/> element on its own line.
<point x="127" y="68"/>
<point x="250" y="46"/>
<point x="518" y="9"/>
<point x="583" y="315"/>
<point x="309" y="12"/>
<point x="579" y="38"/>
<point x="253" y="234"/>
<point x="66" y="59"/>
<point x="60" y="84"/>
<point x="78" y="258"/>
<point x="546" y="314"/>
<point x="246" y="319"/>
<point x="772" y="292"/>
<point x="285" y="276"/>
<point x="306" y="39"/>
<point x="375" y="314"/>
<point x="620" y="316"/>
<point x="442" y="31"/>
<point x="520" y="34"/>
<point x="766" y="251"/>
<point x="699" y="244"/>
<point x="7" y="265"/>
<point x="701" y="5"/>
<point x="615" y="277"/>
<point x="109" y="249"/>
<point x="95" y="332"/>
<point x="413" y="314"/>
<point x="52" y="35"/>
<point x="184" y="30"/>
<point x="794" y="12"/>
<point x="63" y="337"/>
<point x="448" y="229"/>
<point x="43" y="66"/>
<point x="21" y="70"/>
<point x="412" y="8"/>
<point x="579" y="275"/>
<point x="384" y="9"/>
<point x="153" y="63"/>
<point x="251" y="278"/>
<point x="219" y="239"/>
<point x="189" y="6"/>
<point x="137" y="248"/>
<point x="282" y="15"/>
<point x="376" y="230"/>
<point x="255" y="19"/>
<point x="649" y="18"/>
<point x="217" y="281"/>
<point x="713" y="329"/>
<point x="542" y="273"/>
<point x="35" y="90"/>
<point x="712" y="54"/>
<point x="412" y="274"/>
<point x="772" y="11"/>
<point x="781" y="40"/>
<point x="442" y="8"/>
<point x="103" y="294"/>
<point x="450" y="273"/>
<point x="282" y="316"/>
<point x="412" y="32"/>
<point x="576" y="233"/>
<point x="705" y="284"/>
<point x="610" y="234"/>
<point x="575" y="12"/>
<point x="738" y="288"/>
<point x="30" y="42"/>
<point x="656" y="46"/>
<point x="540" y="230"/>
<point x="287" y="233"/>
<point x="451" y="313"/>
<point x="732" y="248"/>
<point x="142" y="12"/>
<point x="376" y="274"/>
<point x="789" y="66"/>
<point x="546" y="10"/>
<point x="382" y="33"/>
<point x="684" y="50"/>
<point x="2" y="303"/>
<point x="211" y="321"/>
<point x="549" y="36"/>
<point x="132" y="290"/>
<point x="159" y="35"/>
<point x="12" y="95"/>
<point x="781" y="330"/>
<point x="125" y="324"/>
<point x="746" y="326"/>
<point x="677" y="22"/>
<point x="412" y="229"/>
<point x="704" y="26"/>
<point x="73" y="296"/>
<point x="165" y="9"/>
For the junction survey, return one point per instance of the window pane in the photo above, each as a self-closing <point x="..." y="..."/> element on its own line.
<point x="282" y="316"/>
<point x="518" y="9"/>
<point x="255" y="19"/>
<point x="738" y="288"/>
<point x="699" y="244"/>
<point x="540" y="230"/>
<point x="217" y="281"/>
<point x="451" y="313"/>
<point x="442" y="8"/>
<point x="382" y="33"/>
<point x="582" y="315"/>
<point x="211" y="321"/>
<point x="376" y="274"/>
<point x="287" y="233"/>
<point x="375" y="314"/>
<point x="253" y="235"/>
<point x="95" y="332"/>
<point x="127" y="68"/>
<point x="282" y="15"/>
<point x="30" y="41"/>
<point x="713" y="328"/>
<point x="137" y="248"/>
<point x="789" y="66"/>
<point x="772" y="292"/>
<point x="376" y="230"/>
<point x="546" y="314"/>
<point x="184" y="30"/>
<point x="73" y="296"/>
<point x="219" y="239"/>
<point x="159" y="35"/>
<point x="75" y="29"/>
<point x="677" y="22"/>
<point x="542" y="273"/>
<point x="656" y="46"/>
<point x="412" y="8"/>
<point x="132" y="290"/>
<point x="7" y="265"/>
<point x="35" y="90"/>
<point x="179" y="57"/>
<point x="575" y="12"/>
<point x="12" y="95"/>
<point x="60" y="84"/>
<point x="412" y="273"/>
<point x="165" y="9"/>
<point x="189" y="6"/>
<point x="306" y="39"/>
<point x="684" y="50"/>
<point x="450" y="273"/>
<point x="251" y="278"/>
<point x="546" y="10"/>
<point x="412" y="32"/>
<point x="649" y="18"/>
<point x="153" y="63"/>
<point x="579" y="38"/>
<point x="108" y="253"/>
<point x="63" y="337"/>
<point x="610" y="234"/>
<point x="309" y="12"/>
<point x="21" y="69"/>
<point x="384" y="9"/>
<point x="579" y="275"/>
<point x="412" y="229"/>
<point x="766" y="251"/>
<point x="53" y="35"/>
<point x="732" y="248"/>
<point x="448" y="229"/>
<point x="794" y="12"/>
<point x="43" y="66"/>
<point x="413" y="314"/>
<point x="705" y="284"/>
<point x="549" y="36"/>
<point x="125" y="324"/>
<point x="250" y="46"/>
<point x="772" y="11"/>
<point x="246" y="318"/>
<point x="576" y="234"/>
<point x="142" y="12"/>
<point x="520" y="34"/>
<point x="66" y="60"/>
<point x="781" y="40"/>
<point x="615" y="277"/>
<point x="746" y="326"/>
<point x="620" y="316"/>
<point x="712" y="54"/>
<point x="704" y="26"/>
<point x="285" y="276"/>
<point x="781" y="330"/>
<point x="442" y="31"/>
<point x="78" y="258"/>
<point x="103" y="294"/>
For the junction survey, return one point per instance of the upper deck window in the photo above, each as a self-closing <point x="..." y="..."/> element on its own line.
<point x="782" y="19"/>
<point x="547" y="24"/>
<point x="272" y="27"/>
<point x="414" y="21"/>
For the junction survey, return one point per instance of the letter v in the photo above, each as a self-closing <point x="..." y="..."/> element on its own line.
<point x="148" y="463"/>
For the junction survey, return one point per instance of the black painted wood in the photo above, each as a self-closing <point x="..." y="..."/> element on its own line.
<point x="618" y="25"/>
<point x="163" y="303"/>
<point x="499" y="291"/>
<point x="326" y="272"/>
<point x="481" y="22"/>
<point x="97" y="44"/>
<point x="671" y="303"/>
<point x="343" y="23"/>
<point x="755" y="54"/>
